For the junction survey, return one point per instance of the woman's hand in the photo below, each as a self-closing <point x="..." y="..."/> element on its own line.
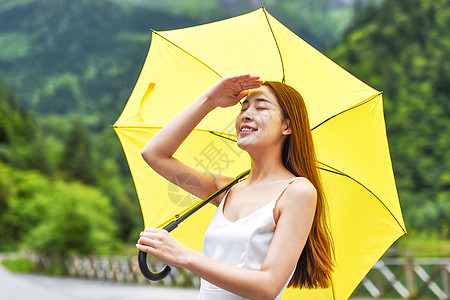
<point x="230" y="90"/>
<point x="160" y="244"/>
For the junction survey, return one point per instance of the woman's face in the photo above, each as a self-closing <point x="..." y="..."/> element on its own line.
<point x="260" y="122"/>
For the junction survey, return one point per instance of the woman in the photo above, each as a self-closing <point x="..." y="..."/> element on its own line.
<point x="269" y="230"/>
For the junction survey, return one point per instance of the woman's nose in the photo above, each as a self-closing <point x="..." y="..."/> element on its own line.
<point x="247" y="115"/>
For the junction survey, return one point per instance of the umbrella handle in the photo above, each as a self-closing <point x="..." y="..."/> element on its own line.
<point x="153" y="276"/>
<point x="142" y="258"/>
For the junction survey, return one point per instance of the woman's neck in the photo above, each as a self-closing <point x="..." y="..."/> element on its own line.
<point x="267" y="167"/>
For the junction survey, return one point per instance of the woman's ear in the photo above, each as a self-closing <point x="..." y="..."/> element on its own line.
<point x="287" y="127"/>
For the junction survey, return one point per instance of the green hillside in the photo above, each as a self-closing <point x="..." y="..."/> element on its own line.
<point x="76" y="56"/>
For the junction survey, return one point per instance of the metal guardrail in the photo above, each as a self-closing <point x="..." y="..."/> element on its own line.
<point x="116" y="269"/>
<point x="394" y="278"/>
<point x="408" y="278"/>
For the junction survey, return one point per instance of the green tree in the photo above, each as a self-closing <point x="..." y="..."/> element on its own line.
<point x="21" y="142"/>
<point x="21" y="210"/>
<point x="39" y="156"/>
<point x="54" y="217"/>
<point x="115" y="182"/>
<point x="78" y="220"/>
<point x="7" y="238"/>
<point x="16" y="128"/>
<point x="77" y="160"/>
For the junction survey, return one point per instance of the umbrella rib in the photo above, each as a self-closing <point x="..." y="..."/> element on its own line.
<point x="194" y="57"/>
<point x="334" y="293"/>
<point x="135" y="126"/>
<point x="336" y="171"/>
<point x="276" y="42"/>
<point x="222" y="136"/>
<point x="355" y="106"/>
<point x="159" y="127"/>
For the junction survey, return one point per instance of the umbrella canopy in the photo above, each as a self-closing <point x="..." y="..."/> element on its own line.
<point x="346" y="118"/>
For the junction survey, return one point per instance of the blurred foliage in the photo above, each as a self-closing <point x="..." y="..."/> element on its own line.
<point x="80" y="56"/>
<point x="79" y="219"/>
<point x="77" y="159"/>
<point x="55" y="217"/>
<point x="18" y="265"/>
<point x="56" y="148"/>
<point x="423" y="244"/>
<point x="403" y="48"/>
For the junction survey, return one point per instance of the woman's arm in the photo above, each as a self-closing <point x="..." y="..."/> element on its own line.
<point x="296" y="212"/>
<point x="158" y="153"/>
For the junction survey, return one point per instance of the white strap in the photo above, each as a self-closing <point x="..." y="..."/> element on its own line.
<point x="285" y="187"/>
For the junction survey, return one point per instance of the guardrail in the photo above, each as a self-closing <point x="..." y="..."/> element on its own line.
<point x="408" y="278"/>
<point x="395" y="278"/>
<point x="117" y="269"/>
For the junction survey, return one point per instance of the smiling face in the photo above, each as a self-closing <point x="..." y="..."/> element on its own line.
<point x="260" y="122"/>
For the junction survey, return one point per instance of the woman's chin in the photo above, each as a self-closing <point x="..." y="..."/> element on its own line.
<point x="245" y="144"/>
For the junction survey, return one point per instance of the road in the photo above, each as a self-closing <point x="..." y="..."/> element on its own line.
<point x="38" y="287"/>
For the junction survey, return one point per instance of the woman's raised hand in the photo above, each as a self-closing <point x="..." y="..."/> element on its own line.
<point x="230" y="90"/>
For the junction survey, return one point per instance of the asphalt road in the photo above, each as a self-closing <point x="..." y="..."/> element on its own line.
<point x="38" y="287"/>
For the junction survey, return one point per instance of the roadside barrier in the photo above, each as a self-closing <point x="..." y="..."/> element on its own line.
<point x="408" y="278"/>
<point x="394" y="278"/>
<point x="116" y="269"/>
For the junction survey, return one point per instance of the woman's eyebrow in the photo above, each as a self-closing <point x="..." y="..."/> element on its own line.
<point x="258" y="100"/>
<point x="262" y="100"/>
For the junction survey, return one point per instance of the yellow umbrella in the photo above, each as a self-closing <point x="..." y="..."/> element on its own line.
<point x="347" y="123"/>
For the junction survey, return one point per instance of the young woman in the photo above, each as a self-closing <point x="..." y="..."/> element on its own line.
<point x="269" y="230"/>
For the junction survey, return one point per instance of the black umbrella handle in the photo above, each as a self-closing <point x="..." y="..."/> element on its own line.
<point x="142" y="260"/>
<point x="142" y="257"/>
<point x="153" y="276"/>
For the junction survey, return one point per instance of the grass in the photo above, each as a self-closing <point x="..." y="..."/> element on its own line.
<point x="423" y="245"/>
<point x="18" y="265"/>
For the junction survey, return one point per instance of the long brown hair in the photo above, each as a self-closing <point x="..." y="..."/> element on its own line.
<point x="315" y="265"/>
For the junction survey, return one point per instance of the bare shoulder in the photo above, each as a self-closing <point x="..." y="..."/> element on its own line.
<point x="300" y="193"/>
<point x="299" y="199"/>
<point x="301" y="189"/>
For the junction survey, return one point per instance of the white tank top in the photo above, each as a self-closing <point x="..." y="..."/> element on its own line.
<point x="243" y="243"/>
